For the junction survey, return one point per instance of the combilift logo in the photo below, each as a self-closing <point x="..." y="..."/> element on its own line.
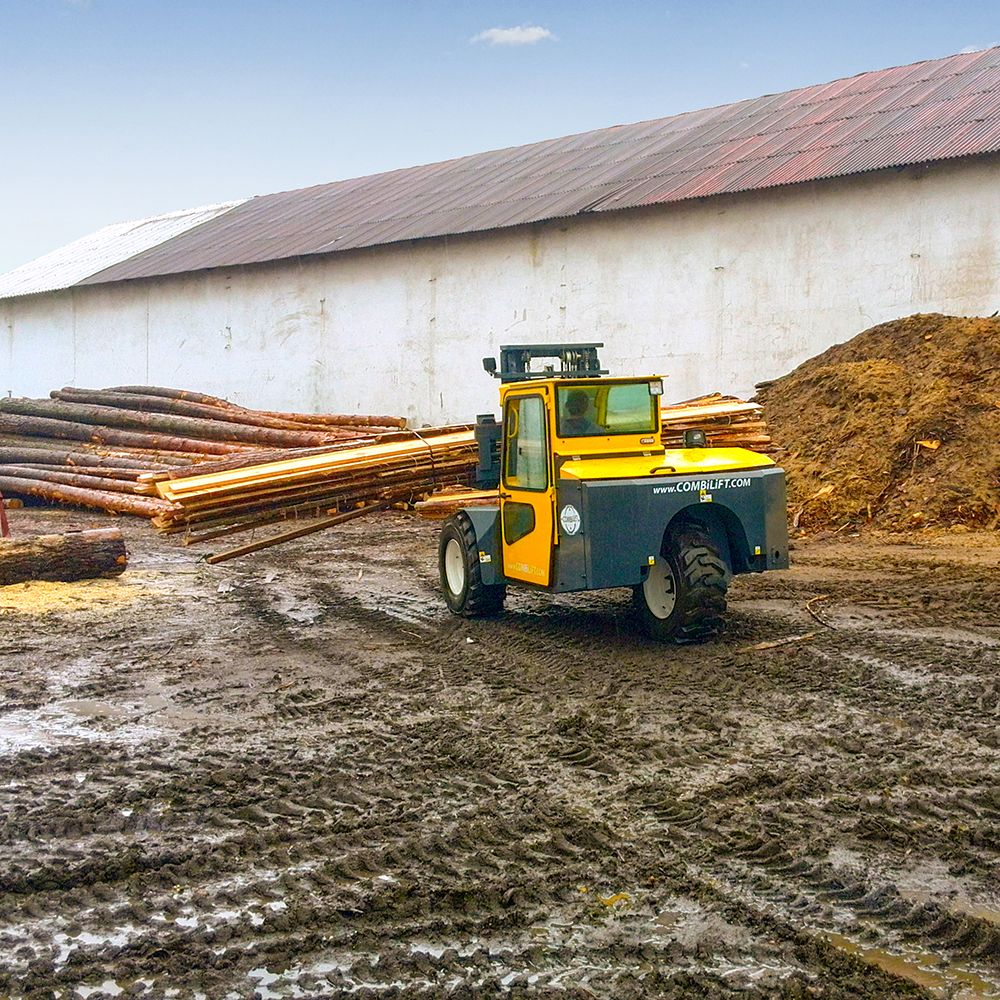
<point x="700" y="485"/>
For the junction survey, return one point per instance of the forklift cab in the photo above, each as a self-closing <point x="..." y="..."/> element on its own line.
<point x="549" y="419"/>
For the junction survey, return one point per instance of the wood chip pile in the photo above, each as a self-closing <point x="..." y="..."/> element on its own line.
<point x="89" y="447"/>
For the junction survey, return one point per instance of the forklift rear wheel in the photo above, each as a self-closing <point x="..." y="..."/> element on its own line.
<point x="683" y="598"/>
<point x="461" y="574"/>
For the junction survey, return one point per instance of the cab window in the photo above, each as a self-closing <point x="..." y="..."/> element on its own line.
<point x="630" y="409"/>
<point x="601" y="410"/>
<point x="525" y="453"/>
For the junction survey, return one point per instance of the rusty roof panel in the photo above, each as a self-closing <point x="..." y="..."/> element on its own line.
<point x="934" y="110"/>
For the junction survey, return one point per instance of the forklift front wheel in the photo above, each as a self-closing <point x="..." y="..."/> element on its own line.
<point x="683" y="598"/>
<point x="461" y="575"/>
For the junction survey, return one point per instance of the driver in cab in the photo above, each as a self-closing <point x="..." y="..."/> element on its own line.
<point x="576" y="420"/>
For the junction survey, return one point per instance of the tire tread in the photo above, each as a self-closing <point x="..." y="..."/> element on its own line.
<point x="701" y="591"/>
<point x="705" y="576"/>
<point x="481" y="600"/>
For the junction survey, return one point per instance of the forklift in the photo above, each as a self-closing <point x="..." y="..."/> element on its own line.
<point x="589" y="499"/>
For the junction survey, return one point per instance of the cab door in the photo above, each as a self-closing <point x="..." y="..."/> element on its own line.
<point x="526" y="492"/>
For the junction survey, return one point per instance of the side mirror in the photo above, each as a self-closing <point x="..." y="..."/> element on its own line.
<point x="490" y="366"/>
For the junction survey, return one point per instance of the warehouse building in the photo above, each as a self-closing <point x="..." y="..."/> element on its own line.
<point x="719" y="247"/>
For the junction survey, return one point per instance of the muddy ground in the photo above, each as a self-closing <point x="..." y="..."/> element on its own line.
<point x="298" y="776"/>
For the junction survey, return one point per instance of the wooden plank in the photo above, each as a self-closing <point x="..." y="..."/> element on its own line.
<point x="317" y="465"/>
<point x="287" y="536"/>
<point x="687" y="413"/>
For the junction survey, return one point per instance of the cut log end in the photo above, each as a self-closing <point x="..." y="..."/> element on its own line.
<point x="75" y="555"/>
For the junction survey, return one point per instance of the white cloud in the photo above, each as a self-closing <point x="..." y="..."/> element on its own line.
<point x="526" y="34"/>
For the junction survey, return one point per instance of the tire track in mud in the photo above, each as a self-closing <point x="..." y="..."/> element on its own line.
<point x="544" y="652"/>
<point x="352" y="797"/>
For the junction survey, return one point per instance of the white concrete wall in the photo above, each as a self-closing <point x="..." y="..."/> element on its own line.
<point x="717" y="294"/>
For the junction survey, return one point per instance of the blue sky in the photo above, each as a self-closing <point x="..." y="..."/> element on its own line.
<point x="117" y="109"/>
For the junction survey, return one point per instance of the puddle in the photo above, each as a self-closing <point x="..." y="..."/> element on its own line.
<point x="971" y="909"/>
<point x="65" y="678"/>
<point x="913" y="677"/>
<point x="67" y="721"/>
<point x="677" y="912"/>
<point x="67" y="944"/>
<point x="923" y="968"/>
<point x="109" y="986"/>
<point x="931" y="882"/>
<point x="264" y="978"/>
<point x="954" y="980"/>
<point x="665" y="921"/>
<point x="88" y="709"/>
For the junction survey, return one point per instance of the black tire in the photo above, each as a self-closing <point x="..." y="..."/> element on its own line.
<point x="699" y="579"/>
<point x="464" y="592"/>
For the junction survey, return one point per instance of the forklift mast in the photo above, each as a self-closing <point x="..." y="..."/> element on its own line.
<point x="575" y="361"/>
<point x="488" y="433"/>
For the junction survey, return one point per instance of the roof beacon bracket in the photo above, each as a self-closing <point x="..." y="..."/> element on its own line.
<point x="575" y="361"/>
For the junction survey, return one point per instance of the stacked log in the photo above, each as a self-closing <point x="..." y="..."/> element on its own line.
<point x="226" y="501"/>
<point x="728" y="422"/>
<point x="89" y="446"/>
<point x="443" y="503"/>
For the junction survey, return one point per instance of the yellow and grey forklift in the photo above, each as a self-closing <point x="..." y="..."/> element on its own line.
<point x="589" y="498"/>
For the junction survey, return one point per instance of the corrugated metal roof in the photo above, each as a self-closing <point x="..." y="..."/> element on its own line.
<point x="108" y="246"/>
<point x="935" y="110"/>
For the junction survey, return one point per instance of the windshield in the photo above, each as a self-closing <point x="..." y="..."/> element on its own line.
<point x="600" y="410"/>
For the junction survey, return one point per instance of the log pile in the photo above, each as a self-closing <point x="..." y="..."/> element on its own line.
<point x="90" y="446"/>
<point x="216" y="502"/>
<point x="728" y="422"/>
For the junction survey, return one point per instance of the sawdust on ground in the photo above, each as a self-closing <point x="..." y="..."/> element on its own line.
<point x="899" y="427"/>
<point x="41" y="597"/>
